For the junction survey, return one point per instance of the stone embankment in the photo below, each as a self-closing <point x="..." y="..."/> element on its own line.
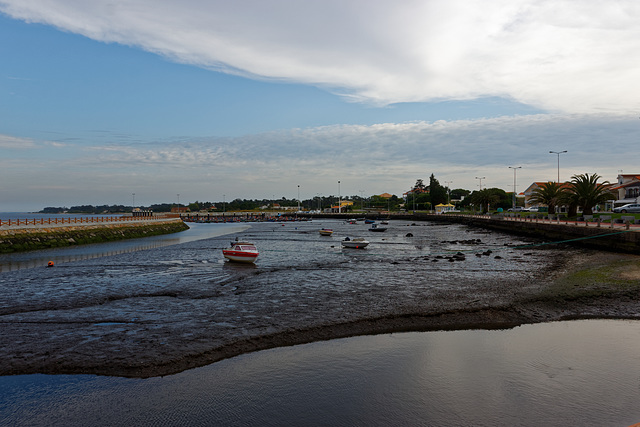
<point x="21" y="238"/>
<point x="608" y="236"/>
<point x="604" y="236"/>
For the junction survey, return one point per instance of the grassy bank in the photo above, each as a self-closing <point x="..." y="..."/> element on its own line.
<point x="609" y="276"/>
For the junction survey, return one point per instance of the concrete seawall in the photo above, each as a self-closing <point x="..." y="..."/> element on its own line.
<point x="618" y="239"/>
<point x="33" y="237"/>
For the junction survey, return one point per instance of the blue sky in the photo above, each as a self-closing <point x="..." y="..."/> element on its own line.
<point x="99" y="100"/>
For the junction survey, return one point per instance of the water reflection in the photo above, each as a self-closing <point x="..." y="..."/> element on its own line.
<point x="18" y="261"/>
<point x="565" y="373"/>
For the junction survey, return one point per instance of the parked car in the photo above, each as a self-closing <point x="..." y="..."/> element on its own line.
<point x="532" y="209"/>
<point x="516" y="209"/>
<point x="630" y="207"/>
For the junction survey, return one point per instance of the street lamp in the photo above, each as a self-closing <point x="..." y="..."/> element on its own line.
<point x="223" y="204"/>
<point x="133" y="202"/>
<point x="298" y="198"/>
<point x="558" y="153"/>
<point x="480" y="178"/>
<point x="448" y="191"/>
<point x="339" y="199"/>
<point x="514" y="182"/>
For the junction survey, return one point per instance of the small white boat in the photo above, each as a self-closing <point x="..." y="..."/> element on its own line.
<point x="326" y="232"/>
<point x="375" y="227"/>
<point x="356" y="243"/>
<point x="241" y="252"/>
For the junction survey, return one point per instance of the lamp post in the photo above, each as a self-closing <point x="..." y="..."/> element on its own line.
<point x="480" y="178"/>
<point x="558" y="153"/>
<point x="133" y="202"/>
<point x="298" y="198"/>
<point x="448" y="191"/>
<point x="339" y="199"/>
<point x="223" y="204"/>
<point x="514" y="183"/>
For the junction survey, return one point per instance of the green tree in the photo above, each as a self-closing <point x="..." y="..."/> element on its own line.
<point x="484" y="199"/>
<point x="459" y="193"/>
<point x="585" y="191"/>
<point x="550" y="194"/>
<point x="437" y="193"/>
<point x="423" y="201"/>
<point x="490" y="198"/>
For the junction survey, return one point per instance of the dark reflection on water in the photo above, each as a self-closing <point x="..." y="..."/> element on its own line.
<point x="556" y="374"/>
<point x="33" y="259"/>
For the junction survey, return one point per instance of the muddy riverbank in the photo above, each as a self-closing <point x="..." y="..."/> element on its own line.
<point x="161" y="311"/>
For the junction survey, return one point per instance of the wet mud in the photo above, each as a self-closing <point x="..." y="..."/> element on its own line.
<point x="163" y="310"/>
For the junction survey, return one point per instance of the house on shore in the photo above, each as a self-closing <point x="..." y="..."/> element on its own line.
<point x="628" y="189"/>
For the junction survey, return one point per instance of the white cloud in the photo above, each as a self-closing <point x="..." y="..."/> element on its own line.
<point x="560" y="55"/>
<point x="387" y="157"/>
<point x="12" y="142"/>
<point x="385" y="152"/>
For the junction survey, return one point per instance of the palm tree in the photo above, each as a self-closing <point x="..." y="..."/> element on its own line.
<point x="585" y="191"/>
<point x="548" y="194"/>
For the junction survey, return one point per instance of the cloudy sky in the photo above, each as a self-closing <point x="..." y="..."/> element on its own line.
<point x="213" y="99"/>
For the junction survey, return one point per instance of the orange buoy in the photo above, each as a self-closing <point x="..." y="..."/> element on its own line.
<point x="50" y="264"/>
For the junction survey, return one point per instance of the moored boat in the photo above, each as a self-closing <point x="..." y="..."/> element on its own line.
<point x="325" y="231"/>
<point x="241" y="252"/>
<point x="356" y="243"/>
<point x="376" y="227"/>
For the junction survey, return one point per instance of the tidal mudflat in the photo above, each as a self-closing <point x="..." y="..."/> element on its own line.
<point x="163" y="310"/>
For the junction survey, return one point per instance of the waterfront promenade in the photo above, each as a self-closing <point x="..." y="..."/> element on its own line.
<point x="12" y="226"/>
<point x="18" y="235"/>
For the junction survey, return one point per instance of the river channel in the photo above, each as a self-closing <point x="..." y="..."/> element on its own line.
<point x="163" y="296"/>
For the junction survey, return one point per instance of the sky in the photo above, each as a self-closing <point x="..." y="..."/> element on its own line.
<point x="212" y="100"/>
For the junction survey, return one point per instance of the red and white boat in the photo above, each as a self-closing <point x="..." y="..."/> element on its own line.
<point x="241" y="252"/>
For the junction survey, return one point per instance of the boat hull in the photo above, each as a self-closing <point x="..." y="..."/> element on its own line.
<point x="355" y="244"/>
<point x="240" y="256"/>
<point x="326" y="232"/>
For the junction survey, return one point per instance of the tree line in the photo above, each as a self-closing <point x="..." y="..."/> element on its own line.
<point x="582" y="191"/>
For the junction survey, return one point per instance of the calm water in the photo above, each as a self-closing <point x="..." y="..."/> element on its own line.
<point x="581" y="373"/>
<point x="570" y="373"/>
<point x="18" y="261"/>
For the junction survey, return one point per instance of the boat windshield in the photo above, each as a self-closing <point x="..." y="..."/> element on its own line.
<point x="247" y="248"/>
